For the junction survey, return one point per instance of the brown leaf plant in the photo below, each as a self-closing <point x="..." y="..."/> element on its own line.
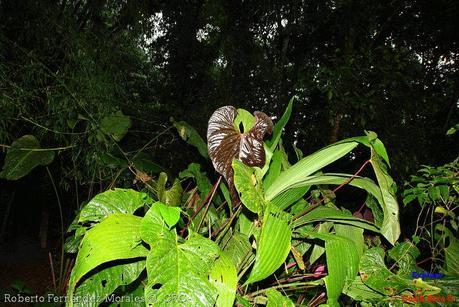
<point x="225" y="142"/>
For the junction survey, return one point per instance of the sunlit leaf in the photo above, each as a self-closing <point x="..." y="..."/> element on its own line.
<point x="116" y="237"/>
<point x="375" y="274"/>
<point x="225" y="142"/>
<point x="113" y="201"/>
<point x="250" y="191"/>
<point x="341" y="269"/>
<point x="179" y="272"/>
<point x="224" y="277"/>
<point x="276" y="299"/>
<point x="390" y="227"/>
<point x="307" y="166"/>
<point x="103" y="283"/>
<point x="23" y="156"/>
<point x="353" y="233"/>
<point x="404" y="254"/>
<point x="274" y="244"/>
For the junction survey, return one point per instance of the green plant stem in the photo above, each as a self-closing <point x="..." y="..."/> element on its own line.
<point x="40" y="149"/>
<point x="228" y="222"/>
<point x="61" y="269"/>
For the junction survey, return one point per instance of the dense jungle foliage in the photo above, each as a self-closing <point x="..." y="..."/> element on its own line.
<point x="340" y="189"/>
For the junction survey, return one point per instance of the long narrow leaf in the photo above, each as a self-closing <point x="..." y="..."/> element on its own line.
<point x="307" y="166"/>
<point x="390" y="228"/>
<point x="342" y="264"/>
<point x="274" y="244"/>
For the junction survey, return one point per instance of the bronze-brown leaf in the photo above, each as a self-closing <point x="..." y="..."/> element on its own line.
<point x="225" y="142"/>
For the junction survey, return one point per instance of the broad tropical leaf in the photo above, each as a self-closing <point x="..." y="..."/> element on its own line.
<point x="103" y="283"/>
<point x="24" y="155"/>
<point x="179" y="273"/>
<point x="223" y="276"/>
<point x="116" y="237"/>
<point x="375" y="274"/>
<point x="274" y="244"/>
<point x="113" y="201"/>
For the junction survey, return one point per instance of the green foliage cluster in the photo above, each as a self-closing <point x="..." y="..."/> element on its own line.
<point x="435" y="190"/>
<point x="173" y="247"/>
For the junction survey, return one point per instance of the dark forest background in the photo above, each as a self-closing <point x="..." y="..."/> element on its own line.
<point x="354" y="65"/>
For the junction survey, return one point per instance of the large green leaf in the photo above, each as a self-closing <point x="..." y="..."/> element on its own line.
<point x="279" y="126"/>
<point x="353" y="233"/>
<point x="192" y="137"/>
<point x="113" y="201"/>
<point x="116" y="125"/>
<point x="250" y="191"/>
<point x="342" y="264"/>
<point x="153" y="228"/>
<point x="178" y="274"/>
<point x="116" y="237"/>
<point x="274" y="244"/>
<point x="324" y="213"/>
<point x="390" y="227"/>
<point x="103" y="283"/>
<point x="276" y="299"/>
<point x="223" y="276"/>
<point x="24" y="155"/>
<point x="307" y="166"/>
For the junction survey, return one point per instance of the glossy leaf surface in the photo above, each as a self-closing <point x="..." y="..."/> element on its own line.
<point x="113" y="201"/>
<point x="116" y="237"/>
<point x="225" y="142"/>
